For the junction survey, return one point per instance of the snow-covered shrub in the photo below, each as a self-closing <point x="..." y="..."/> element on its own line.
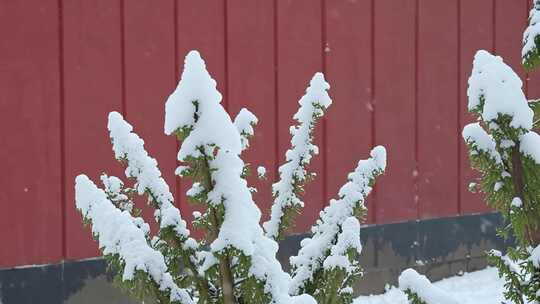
<point x="235" y="262"/>
<point x="506" y="151"/>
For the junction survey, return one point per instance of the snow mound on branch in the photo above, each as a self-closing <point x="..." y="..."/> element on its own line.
<point x="474" y="134"/>
<point x="118" y="234"/>
<point x="498" y="87"/>
<point x="419" y="284"/>
<point x="530" y="145"/>
<point x="535" y="256"/>
<point x="244" y="122"/>
<point x="196" y="105"/>
<point x="312" y="106"/>
<point x="129" y="146"/>
<point x="336" y="223"/>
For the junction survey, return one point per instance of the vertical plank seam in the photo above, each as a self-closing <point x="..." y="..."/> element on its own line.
<point x="373" y="106"/>
<point x="226" y="54"/>
<point x="526" y="80"/>
<point x="63" y="202"/>
<point x="176" y="76"/>
<point x="494" y="26"/>
<point x="416" y="183"/>
<point x="276" y="91"/>
<point x="458" y="130"/>
<point x="324" y="127"/>
<point x="123" y="59"/>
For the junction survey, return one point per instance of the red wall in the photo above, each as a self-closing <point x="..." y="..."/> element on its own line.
<point x="398" y="70"/>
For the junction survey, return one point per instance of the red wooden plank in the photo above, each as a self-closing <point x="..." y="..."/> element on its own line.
<point x="510" y="22"/>
<point x="395" y="107"/>
<point x="349" y="71"/>
<point x="251" y="84"/>
<point x="31" y="217"/>
<point x="149" y="79"/>
<point x="437" y="124"/>
<point x="476" y="33"/>
<point x="201" y="26"/>
<point x="92" y="75"/>
<point x="299" y="57"/>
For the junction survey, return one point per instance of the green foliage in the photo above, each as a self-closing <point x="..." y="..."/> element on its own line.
<point x="413" y="297"/>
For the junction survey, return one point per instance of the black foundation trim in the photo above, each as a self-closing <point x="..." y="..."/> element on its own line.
<point x="436" y="247"/>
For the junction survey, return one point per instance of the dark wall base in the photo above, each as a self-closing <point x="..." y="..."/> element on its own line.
<point x="438" y="248"/>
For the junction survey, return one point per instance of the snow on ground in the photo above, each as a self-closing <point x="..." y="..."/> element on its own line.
<point x="479" y="287"/>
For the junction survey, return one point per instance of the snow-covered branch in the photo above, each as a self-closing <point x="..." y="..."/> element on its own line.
<point x="530" y="52"/>
<point x="480" y="141"/>
<point x="118" y="235"/>
<point x="336" y="230"/>
<point x="129" y="146"/>
<point x="293" y="174"/>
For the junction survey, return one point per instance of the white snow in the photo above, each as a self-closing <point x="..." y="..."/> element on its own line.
<point x="480" y="287"/>
<point x="419" y="284"/>
<point x="530" y="145"/>
<point x="118" y="234"/>
<point x="499" y="87"/>
<point x="261" y="171"/>
<point x="532" y="31"/>
<point x="329" y="228"/>
<point x="210" y="124"/>
<point x="348" y="238"/>
<point x="293" y="173"/>
<point x="113" y="187"/>
<point x="244" y="122"/>
<point x="535" y="256"/>
<point x="516" y="202"/>
<point x="474" y="134"/>
<point x="129" y="146"/>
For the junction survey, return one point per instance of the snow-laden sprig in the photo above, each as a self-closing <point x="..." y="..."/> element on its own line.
<point x="420" y="290"/>
<point x="335" y="232"/>
<point x="293" y="174"/>
<point x="114" y="187"/>
<point x="118" y="235"/>
<point x="530" y="53"/>
<point x="481" y="142"/>
<point x="211" y="147"/>
<point x="244" y="122"/>
<point x="129" y="146"/>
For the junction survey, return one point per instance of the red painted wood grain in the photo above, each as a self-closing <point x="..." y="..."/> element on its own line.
<point x="476" y="33"/>
<point x="92" y="88"/>
<point x="437" y="108"/>
<point x="395" y="113"/>
<point x="349" y="70"/>
<point x="398" y="72"/>
<point x="30" y="106"/>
